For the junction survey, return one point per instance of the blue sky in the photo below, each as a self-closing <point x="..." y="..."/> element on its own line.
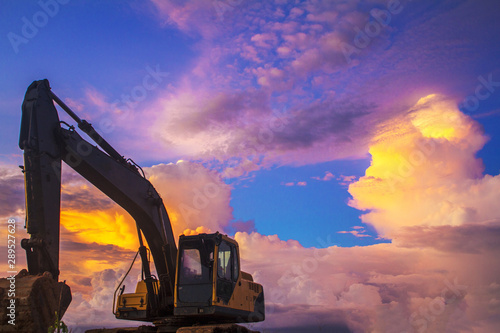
<point x="305" y="114"/>
<point x="299" y="208"/>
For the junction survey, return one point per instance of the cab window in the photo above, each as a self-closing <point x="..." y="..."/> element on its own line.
<point x="191" y="270"/>
<point x="224" y="262"/>
<point x="228" y="267"/>
<point x="236" y="269"/>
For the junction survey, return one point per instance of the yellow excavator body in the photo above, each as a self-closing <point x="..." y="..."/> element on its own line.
<point x="209" y="286"/>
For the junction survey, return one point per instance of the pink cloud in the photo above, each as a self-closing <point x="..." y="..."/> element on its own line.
<point x="391" y="287"/>
<point x="272" y="77"/>
<point x="328" y="176"/>
<point x="346" y="180"/>
<point x="73" y="104"/>
<point x="299" y="40"/>
<point x="94" y="99"/>
<point x="197" y="17"/>
<point x="355" y="233"/>
<point x="323" y="17"/>
<point x="285" y="27"/>
<point x="12" y="199"/>
<point x="200" y="199"/>
<point x="296" y="12"/>
<point x="265" y="40"/>
<point x="295" y="183"/>
<point x="284" y="51"/>
<point x="249" y="52"/>
<point x="242" y="226"/>
<point x="474" y="238"/>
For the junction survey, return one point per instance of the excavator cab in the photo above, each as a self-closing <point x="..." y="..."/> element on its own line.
<point x="209" y="282"/>
<point x="209" y="285"/>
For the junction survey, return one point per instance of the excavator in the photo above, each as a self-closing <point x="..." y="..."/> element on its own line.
<point x="198" y="286"/>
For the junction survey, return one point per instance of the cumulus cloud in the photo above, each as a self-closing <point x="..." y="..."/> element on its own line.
<point x="328" y="176"/>
<point x="377" y="288"/>
<point x="194" y="195"/>
<point x="80" y="195"/>
<point x="94" y="309"/>
<point x="302" y="183"/>
<point x="80" y="260"/>
<point x="342" y="179"/>
<point x="424" y="162"/>
<point x="200" y="123"/>
<point x="474" y="238"/>
<point x="12" y="201"/>
<point x="357" y="232"/>
<point x="241" y="226"/>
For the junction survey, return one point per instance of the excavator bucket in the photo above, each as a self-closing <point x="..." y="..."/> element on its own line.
<point x="37" y="298"/>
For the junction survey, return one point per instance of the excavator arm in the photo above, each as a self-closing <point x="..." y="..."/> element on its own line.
<point x="132" y="191"/>
<point x="46" y="144"/>
<point x="42" y="165"/>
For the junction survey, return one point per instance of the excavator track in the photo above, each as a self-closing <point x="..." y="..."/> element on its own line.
<point x="37" y="298"/>
<point x="227" y="328"/>
<point x="217" y="328"/>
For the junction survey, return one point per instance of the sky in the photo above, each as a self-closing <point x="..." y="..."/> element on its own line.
<point x="350" y="147"/>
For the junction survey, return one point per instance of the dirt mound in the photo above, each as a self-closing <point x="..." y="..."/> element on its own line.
<point x="28" y="303"/>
